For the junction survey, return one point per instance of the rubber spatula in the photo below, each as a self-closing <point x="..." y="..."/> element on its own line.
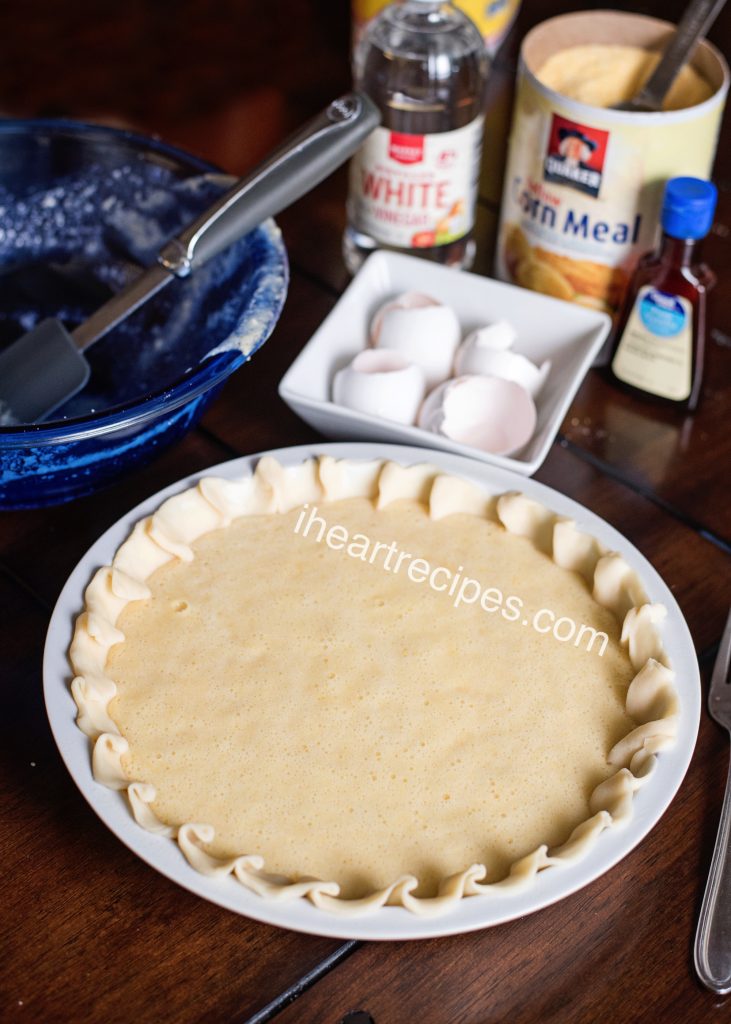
<point x="46" y="367"/>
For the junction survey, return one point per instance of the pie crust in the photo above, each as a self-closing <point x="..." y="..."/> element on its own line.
<point x="167" y="538"/>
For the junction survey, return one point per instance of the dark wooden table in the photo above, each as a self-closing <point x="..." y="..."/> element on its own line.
<point x="90" y="933"/>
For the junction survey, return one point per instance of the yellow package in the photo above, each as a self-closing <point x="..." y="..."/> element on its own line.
<point x="492" y="17"/>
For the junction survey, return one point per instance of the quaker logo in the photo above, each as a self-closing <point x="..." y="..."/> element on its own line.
<point x="575" y="155"/>
<point x="406" y="149"/>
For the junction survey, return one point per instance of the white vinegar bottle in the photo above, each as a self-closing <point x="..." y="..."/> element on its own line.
<point x="413" y="183"/>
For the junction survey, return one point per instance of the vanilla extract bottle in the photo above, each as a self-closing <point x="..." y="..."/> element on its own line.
<point x="413" y="183"/>
<point x="659" y="344"/>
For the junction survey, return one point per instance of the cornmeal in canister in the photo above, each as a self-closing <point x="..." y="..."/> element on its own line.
<point x="344" y="719"/>
<point x="604" y="75"/>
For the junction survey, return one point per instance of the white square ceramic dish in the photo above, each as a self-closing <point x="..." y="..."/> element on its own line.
<point x="569" y="335"/>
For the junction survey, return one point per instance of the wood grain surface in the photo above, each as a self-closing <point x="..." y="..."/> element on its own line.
<point x="90" y="933"/>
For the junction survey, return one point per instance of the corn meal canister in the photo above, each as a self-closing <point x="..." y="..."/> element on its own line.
<point x="584" y="183"/>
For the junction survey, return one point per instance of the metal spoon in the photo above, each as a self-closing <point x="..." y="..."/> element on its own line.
<point x="698" y="17"/>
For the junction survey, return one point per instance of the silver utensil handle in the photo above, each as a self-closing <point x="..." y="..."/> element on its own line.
<point x="697" y="19"/>
<point x="713" y="937"/>
<point x="304" y="160"/>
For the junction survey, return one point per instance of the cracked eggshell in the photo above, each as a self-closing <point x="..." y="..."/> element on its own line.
<point x="476" y="359"/>
<point x="422" y="330"/>
<point x="382" y="383"/>
<point x="499" y="336"/>
<point x="488" y="413"/>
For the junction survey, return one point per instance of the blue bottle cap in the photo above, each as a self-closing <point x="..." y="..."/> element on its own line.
<point x="688" y="207"/>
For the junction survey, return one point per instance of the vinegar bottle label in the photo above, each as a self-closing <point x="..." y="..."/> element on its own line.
<point x="416" y="191"/>
<point x="655" y="352"/>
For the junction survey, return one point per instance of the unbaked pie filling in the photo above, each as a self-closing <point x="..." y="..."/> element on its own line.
<point x="342" y="681"/>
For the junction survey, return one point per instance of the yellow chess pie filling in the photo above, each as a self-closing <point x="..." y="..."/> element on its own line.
<point x="367" y="684"/>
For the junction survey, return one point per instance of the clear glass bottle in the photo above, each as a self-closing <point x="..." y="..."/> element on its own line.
<point x="413" y="184"/>
<point x="659" y="343"/>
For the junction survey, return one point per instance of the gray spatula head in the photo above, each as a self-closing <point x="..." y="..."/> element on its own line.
<point x="28" y="391"/>
<point x="45" y="367"/>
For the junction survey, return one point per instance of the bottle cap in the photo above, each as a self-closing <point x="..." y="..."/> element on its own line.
<point x="688" y="207"/>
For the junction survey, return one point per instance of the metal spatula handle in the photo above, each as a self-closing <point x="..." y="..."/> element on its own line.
<point x="713" y="938"/>
<point x="696" y="20"/>
<point x="304" y="160"/>
<point x="300" y="163"/>
<point x="45" y="367"/>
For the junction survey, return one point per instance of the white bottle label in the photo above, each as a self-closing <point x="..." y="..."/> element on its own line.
<point x="416" y="191"/>
<point x="655" y="352"/>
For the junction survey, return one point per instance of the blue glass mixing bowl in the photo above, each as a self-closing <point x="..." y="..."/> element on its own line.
<point x="82" y="209"/>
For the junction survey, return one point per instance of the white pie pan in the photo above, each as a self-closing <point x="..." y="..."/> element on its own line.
<point x="470" y="914"/>
<point x="567" y="334"/>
